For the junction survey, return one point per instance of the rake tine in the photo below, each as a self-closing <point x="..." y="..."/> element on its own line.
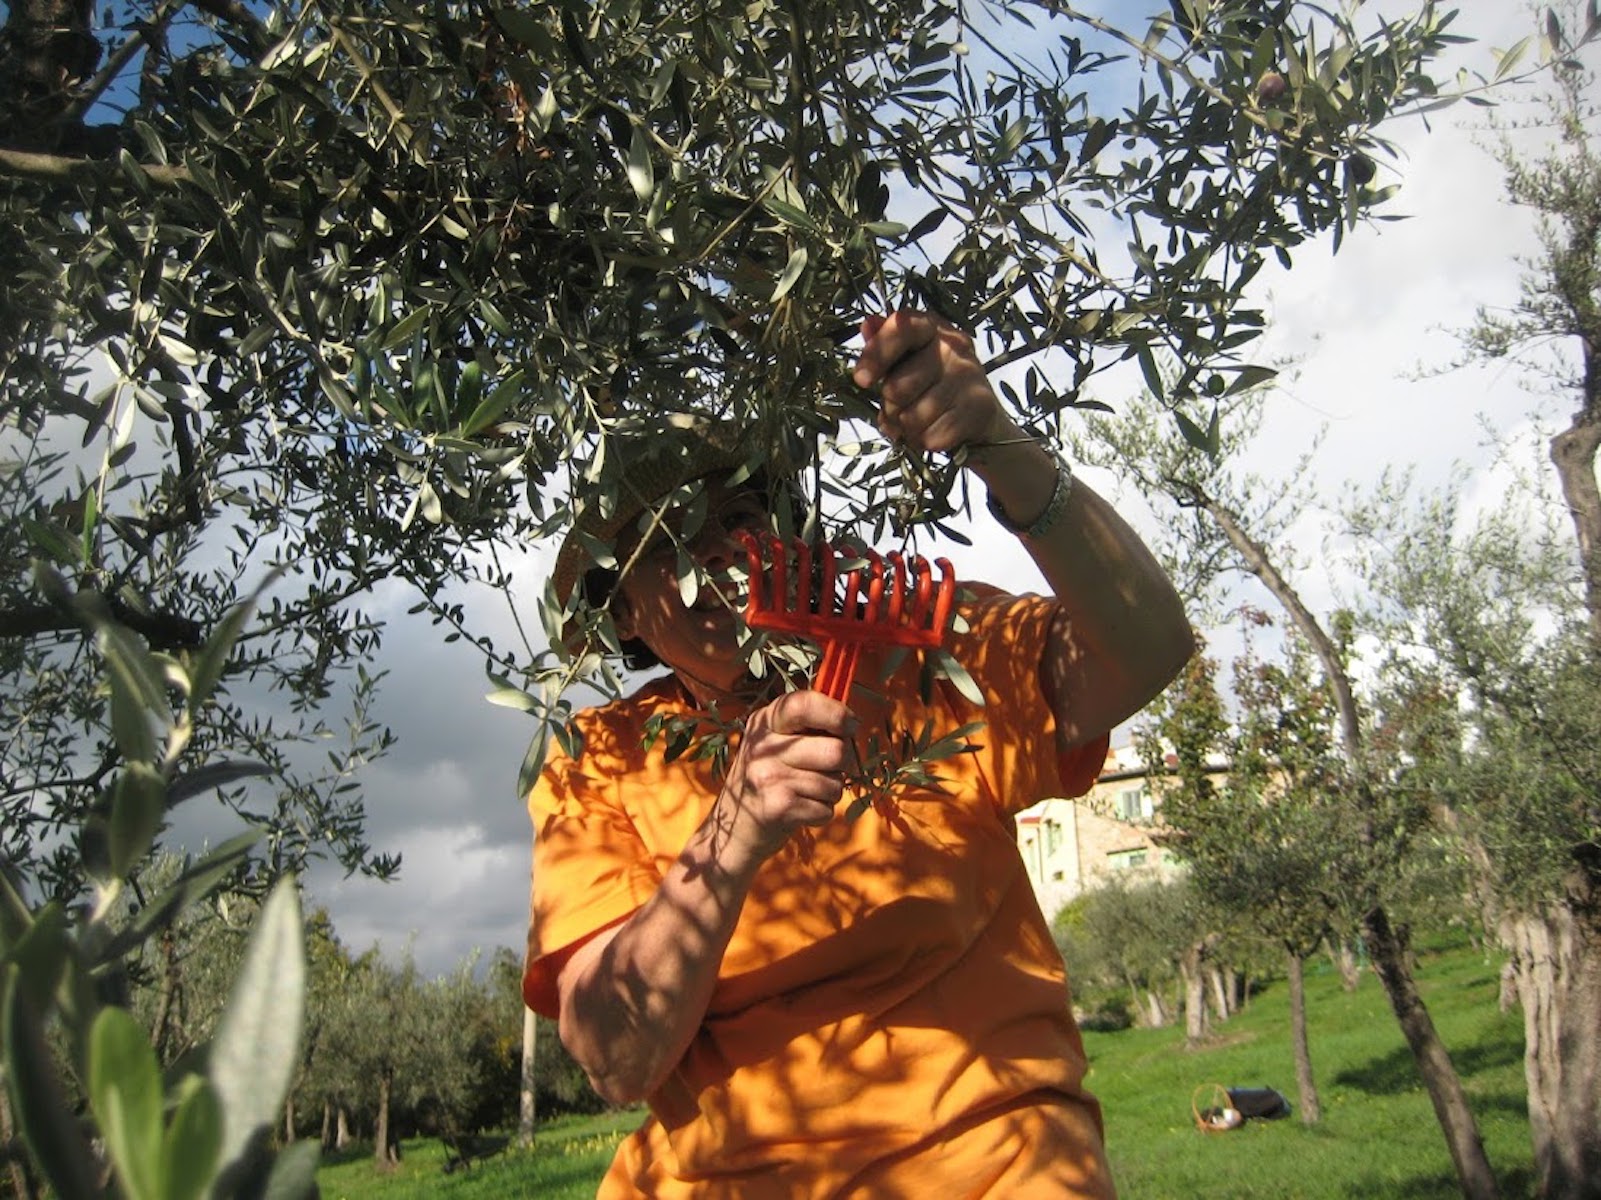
<point x="753" y="567"/>
<point x="847" y="672"/>
<point x="803" y="578"/>
<point x="837" y="669"/>
<point x="875" y="589"/>
<point x="945" y="598"/>
<point x="922" y="592"/>
<point x="897" y="588"/>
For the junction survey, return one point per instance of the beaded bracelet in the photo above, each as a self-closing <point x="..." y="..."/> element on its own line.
<point x="1053" y="506"/>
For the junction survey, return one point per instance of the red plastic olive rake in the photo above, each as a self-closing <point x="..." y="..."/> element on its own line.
<point x="877" y="599"/>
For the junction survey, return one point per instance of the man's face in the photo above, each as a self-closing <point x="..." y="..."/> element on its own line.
<point x="699" y="640"/>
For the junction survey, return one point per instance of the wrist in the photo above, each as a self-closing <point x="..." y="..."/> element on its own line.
<point x="736" y="843"/>
<point x="1031" y="519"/>
<point x="1003" y="441"/>
<point x="1028" y="480"/>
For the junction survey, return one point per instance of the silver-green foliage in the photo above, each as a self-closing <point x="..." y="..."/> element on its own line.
<point x="358" y="287"/>
<point x="201" y="1127"/>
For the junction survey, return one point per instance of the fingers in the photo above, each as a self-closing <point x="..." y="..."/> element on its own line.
<point x="932" y="389"/>
<point x="811" y="712"/>
<point x="890" y="339"/>
<point x="792" y="763"/>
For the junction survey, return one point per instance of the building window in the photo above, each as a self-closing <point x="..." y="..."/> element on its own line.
<point x="1132" y="804"/>
<point x="1053" y="838"/>
<point x="1128" y="860"/>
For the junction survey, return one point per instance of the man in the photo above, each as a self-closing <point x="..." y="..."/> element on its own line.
<point x="881" y="1012"/>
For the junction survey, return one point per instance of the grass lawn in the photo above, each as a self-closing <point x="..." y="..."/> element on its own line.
<point x="1378" y="1138"/>
<point x="569" y="1156"/>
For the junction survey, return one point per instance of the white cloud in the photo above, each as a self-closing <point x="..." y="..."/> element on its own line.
<point x="464" y="887"/>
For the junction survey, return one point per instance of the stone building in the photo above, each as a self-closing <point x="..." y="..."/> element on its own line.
<point x="1068" y="845"/>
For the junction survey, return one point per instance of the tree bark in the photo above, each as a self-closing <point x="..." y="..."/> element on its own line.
<point x="1556" y="958"/>
<point x="1192" y="967"/>
<point x="47" y="49"/>
<point x="382" y="1151"/>
<point x="341" y="1128"/>
<point x="1156" y="1010"/>
<point x="1305" y="1087"/>
<point x="1345" y="962"/>
<point x="527" y="1115"/>
<point x="1573" y="451"/>
<point x="1222" y="1001"/>
<point x="1389" y="951"/>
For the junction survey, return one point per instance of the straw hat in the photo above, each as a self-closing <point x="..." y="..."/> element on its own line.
<point x="669" y="458"/>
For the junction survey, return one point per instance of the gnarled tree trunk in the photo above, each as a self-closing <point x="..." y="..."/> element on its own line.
<point x="1556" y="960"/>
<point x="1156" y="1014"/>
<point x="1222" y="992"/>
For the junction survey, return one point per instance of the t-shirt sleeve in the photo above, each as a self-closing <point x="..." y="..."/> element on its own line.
<point x="1002" y="649"/>
<point x="591" y="870"/>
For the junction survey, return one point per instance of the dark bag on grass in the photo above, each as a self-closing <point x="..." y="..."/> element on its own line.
<point x="1261" y="1104"/>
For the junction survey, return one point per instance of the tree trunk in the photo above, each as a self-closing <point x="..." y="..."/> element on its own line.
<point x="1305" y="1088"/>
<point x="526" y="1113"/>
<point x="1156" y="1010"/>
<point x="382" y="1151"/>
<point x="1345" y="962"/>
<point x="1391" y="959"/>
<point x="289" y="1120"/>
<point x="1557" y="959"/>
<point x="1573" y="451"/>
<point x="1193" y="970"/>
<point x="1222" y="1000"/>
<point x="48" y="49"/>
<point x="341" y="1128"/>
<point x="326" y="1134"/>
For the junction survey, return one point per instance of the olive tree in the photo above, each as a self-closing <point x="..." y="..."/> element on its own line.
<point x="1230" y="521"/>
<point x="1473" y="586"/>
<point x="359" y="287"/>
<point x="1493" y="700"/>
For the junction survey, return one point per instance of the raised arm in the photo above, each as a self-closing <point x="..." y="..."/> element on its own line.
<point x="1122" y="635"/>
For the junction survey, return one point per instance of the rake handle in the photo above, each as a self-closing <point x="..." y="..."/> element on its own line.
<point x="837" y="669"/>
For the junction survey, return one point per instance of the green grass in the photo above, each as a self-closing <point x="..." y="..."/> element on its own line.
<point x="568" y="1158"/>
<point x="1378" y="1137"/>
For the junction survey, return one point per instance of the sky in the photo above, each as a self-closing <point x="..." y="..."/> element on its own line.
<point x="1365" y="327"/>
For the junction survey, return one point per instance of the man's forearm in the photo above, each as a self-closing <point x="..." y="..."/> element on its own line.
<point x="634" y="1007"/>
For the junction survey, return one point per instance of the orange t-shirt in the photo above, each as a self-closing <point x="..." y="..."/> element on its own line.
<point x="891" y="1016"/>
